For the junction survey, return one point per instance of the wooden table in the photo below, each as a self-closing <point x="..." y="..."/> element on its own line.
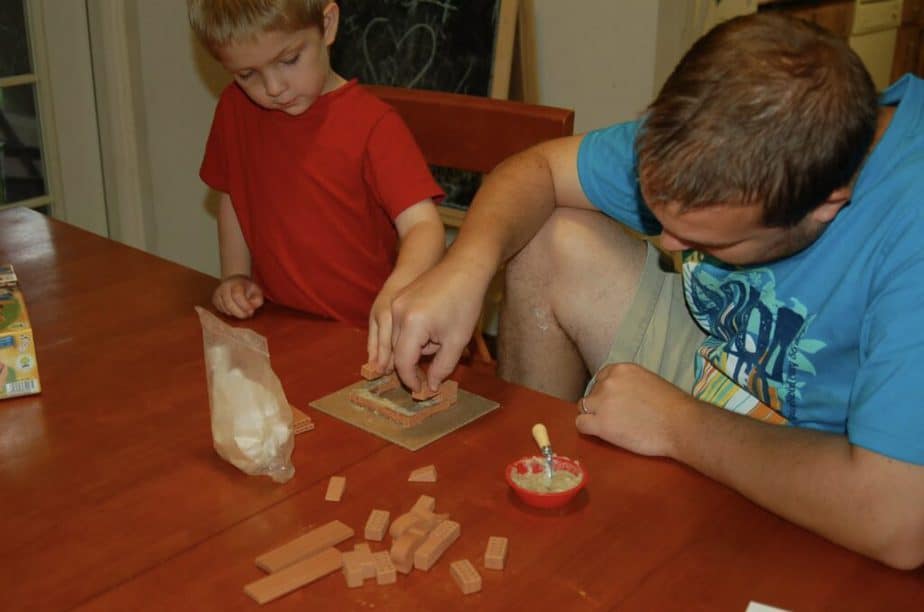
<point x="111" y="497"/>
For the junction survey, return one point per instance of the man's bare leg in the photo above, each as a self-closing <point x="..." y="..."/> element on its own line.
<point x="567" y="292"/>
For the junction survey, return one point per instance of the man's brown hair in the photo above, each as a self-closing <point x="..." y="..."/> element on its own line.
<point x="219" y="23"/>
<point x="764" y="109"/>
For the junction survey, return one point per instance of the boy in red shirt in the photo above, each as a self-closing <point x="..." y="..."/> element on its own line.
<point x="326" y="201"/>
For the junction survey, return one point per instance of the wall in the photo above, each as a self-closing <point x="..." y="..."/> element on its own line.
<point x="180" y="84"/>
<point x="595" y="56"/>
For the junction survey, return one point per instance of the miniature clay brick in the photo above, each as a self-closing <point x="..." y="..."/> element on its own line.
<point x="403" y="523"/>
<point x="294" y="576"/>
<point x="370" y="372"/>
<point x="424" y="474"/>
<point x="402" y="551"/>
<point x="448" y="389"/>
<point x="335" y="488"/>
<point x="304" y="546"/>
<point x="428" y="553"/>
<point x="424" y="502"/>
<point x="385" y="572"/>
<point x="425" y="393"/>
<point x="377" y="525"/>
<point x="465" y="575"/>
<point x="301" y="422"/>
<point x="495" y="555"/>
<point x="366" y="560"/>
<point x="353" y="569"/>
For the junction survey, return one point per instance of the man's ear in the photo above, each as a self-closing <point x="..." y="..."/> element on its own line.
<point x="828" y="209"/>
<point x="331" y="21"/>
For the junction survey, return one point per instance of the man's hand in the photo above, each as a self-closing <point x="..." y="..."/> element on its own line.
<point x="858" y="498"/>
<point x="634" y="409"/>
<point x="238" y="296"/>
<point x="436" y="315"/>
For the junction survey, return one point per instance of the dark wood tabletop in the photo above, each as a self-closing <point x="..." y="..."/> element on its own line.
<point x="112" y="497"/>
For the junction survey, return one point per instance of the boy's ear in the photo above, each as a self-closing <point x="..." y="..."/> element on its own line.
<point x="828" y="209"/>
<point x="331" y="21"/>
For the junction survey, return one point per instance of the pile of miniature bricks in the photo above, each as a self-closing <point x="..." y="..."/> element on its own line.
<point x="419" y="538"/>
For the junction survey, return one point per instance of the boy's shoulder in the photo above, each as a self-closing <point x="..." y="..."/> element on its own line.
<point x="353" y="98"/>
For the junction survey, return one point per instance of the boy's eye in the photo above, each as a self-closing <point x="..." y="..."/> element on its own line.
<point x="290" y="60"/>
<point x="244" y="75"/>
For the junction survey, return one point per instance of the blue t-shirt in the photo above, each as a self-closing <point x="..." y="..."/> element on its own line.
<point x="831" y="338"/>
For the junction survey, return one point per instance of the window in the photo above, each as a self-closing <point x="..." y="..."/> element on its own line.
<point x="23" y="163"/>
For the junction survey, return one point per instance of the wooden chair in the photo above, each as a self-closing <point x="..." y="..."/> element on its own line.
<point x="475" y="134"/>
<point x="470" y="132"/>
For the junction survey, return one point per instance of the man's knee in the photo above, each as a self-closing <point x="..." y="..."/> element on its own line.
<point x="570" y="245"/>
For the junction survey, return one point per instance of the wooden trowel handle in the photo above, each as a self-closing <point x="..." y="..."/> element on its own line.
<point x="541" y="436"/>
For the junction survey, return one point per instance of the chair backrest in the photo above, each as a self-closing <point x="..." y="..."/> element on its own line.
<point x="470" y="132"/>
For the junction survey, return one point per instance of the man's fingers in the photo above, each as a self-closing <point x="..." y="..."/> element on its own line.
<point x="444" y="362"/>
<point x="587" y="424"/>
<point x="406" y="355"/>
<point x="429" y="348"/>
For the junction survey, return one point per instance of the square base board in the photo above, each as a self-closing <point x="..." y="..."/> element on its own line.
<point x="468" y="408"/>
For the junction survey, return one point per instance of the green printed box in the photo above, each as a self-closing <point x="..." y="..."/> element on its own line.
<point x="18" y="365"/>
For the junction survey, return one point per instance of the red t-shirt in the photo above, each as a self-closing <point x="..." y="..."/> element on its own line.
<point x="316" y="195"/>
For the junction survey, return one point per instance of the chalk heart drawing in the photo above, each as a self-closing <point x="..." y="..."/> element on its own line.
<point x="420" y="35"/>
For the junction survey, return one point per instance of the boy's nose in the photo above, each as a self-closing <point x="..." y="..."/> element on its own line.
<point x="274" y="86"/>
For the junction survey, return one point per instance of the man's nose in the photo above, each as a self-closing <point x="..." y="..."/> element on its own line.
<point x="669" y="242"/>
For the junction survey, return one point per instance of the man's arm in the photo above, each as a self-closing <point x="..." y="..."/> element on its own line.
<point x="423" y="241"/>
<point x="857" y="498"/>
<point x="438" y="312"/>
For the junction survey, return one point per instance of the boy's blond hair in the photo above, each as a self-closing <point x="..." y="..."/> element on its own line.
<point x="219" y="23"/>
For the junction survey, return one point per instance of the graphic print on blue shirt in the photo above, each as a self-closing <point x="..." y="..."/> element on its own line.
<point x="756" y="340"/>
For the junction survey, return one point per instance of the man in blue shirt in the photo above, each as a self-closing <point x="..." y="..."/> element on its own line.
<point x="792" y="193"/>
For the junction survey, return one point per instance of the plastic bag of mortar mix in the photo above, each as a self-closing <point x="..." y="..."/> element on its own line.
<point x="251" y="418"/>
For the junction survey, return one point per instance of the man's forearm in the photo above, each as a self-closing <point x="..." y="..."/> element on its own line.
<point x="510" y="207"/>
<point x="859" y="499"/>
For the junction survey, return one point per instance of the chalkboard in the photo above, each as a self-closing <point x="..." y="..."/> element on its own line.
<point x="447" y="45"/>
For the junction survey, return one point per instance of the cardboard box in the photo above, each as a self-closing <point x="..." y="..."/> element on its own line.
<point x="18" y="364"/>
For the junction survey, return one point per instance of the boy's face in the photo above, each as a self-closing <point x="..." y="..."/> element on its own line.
<point x="285" y="71"/>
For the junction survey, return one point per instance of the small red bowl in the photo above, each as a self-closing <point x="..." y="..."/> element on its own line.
<point x="536" y="465"/>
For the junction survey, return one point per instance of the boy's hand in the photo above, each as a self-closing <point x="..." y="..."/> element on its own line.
<point x="378" y="344"/>
<point x="238" y="296"/>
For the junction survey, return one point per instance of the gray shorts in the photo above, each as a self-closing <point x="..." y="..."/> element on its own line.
<point x="658" y="332"/>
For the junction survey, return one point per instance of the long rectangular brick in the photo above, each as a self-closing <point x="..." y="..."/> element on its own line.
<point x="303" y="546"/>
<point x="294" y="576"/>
